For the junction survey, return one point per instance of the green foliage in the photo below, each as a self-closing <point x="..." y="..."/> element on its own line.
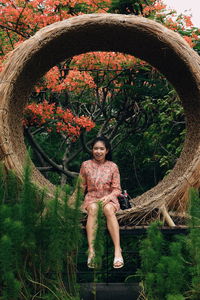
<point x="150" y="250"/>
<point x="38" y="241"/>
<point x="55" y="237"/>
<point x="28" y="214"/>
<point x="162" y="266"/>
<point x="193" y="242"/>
<point x="129" y="6"/>
<point x="99" y="236"/>
<point x="171" y="269"/>
<point x="151" y="247"/>
<point x="10" y="285"/>
<point x="175" y="297"/>
<point x="12" y="188"/>
<point x="152" y="151"/>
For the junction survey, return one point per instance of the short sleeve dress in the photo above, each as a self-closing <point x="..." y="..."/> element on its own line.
<point x="99" y="180"/>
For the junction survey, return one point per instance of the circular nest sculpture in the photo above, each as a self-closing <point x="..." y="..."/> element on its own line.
<point x="143" y="38"/>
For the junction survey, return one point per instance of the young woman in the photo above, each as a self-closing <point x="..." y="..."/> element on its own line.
<point x="101" y="182"/>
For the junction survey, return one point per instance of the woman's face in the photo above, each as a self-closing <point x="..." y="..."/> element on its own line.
<point x="99" y="151"/>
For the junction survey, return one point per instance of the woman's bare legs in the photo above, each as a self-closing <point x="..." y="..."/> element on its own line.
<point x="92" y="210"/>
<point x="113" y="227"/>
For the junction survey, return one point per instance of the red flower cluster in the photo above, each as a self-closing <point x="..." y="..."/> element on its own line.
<point x="74" y="81"/>
<point x="105" y="60"/>
<point x="56" y="119"/>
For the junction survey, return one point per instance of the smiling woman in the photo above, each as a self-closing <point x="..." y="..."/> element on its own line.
<point x="143" y="38"/>
<point x="101" y="183"/>
<point x="99" y="151"/>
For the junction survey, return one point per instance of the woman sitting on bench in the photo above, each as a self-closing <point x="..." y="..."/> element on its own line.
<point x="101" y="182"/>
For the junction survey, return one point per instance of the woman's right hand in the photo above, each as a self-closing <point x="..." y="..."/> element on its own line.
<point x="105" y="200"/>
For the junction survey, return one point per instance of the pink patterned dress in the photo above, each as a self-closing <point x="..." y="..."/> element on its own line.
<point x="99" y="180"/>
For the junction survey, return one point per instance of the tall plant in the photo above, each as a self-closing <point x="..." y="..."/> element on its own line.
<point x="171" y="269"/>
<point x="193" y="243"/>
<point x="38" y="241"/>
<point x="162" y="266"/>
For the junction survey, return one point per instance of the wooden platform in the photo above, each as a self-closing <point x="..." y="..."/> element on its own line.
<point x="137" y="230"/>
<point x="141" y="229"/>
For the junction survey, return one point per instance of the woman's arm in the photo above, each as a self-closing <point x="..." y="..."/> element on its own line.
<point x="115" y="185"/>
<point x="83" y="177"/>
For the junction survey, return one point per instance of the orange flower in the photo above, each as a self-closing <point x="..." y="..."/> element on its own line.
<point x="56" y="119"/>
<point x="188" y="39"/>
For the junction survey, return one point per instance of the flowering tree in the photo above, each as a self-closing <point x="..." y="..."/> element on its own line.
<point x="56" y="119"/>
<point x="102" y="91"/>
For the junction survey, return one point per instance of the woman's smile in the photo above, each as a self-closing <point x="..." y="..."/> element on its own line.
<point x="99" y="151"/>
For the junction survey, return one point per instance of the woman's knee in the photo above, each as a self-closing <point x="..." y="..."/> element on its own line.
<point x="92" y="209"/>
<point x="109" y="210"/>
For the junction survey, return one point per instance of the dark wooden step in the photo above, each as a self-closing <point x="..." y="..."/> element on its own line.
<point x="109" y="291"/>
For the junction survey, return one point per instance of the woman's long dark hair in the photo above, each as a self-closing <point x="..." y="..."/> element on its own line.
<point x="106" y="142"/>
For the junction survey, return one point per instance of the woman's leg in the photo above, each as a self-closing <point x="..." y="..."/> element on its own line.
<point x="92" y="210"/>
<point x="113" y="228"/>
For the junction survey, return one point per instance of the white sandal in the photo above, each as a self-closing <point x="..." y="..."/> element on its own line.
<point x="117" y="261"/>
<point x="91" y="262"/>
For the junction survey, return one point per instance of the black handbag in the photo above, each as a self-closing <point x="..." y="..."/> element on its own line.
<point x="124" y="200"/>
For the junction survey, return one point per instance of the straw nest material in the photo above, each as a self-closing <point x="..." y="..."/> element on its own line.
<point x="143" y="38"/>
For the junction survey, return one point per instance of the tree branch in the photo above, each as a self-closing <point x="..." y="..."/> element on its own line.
<point x="17" y="23"/>
<point x="16" y="31"/>
<point x="45" y="169"/>
<point x="83" y="142"/>
<point x="55" y="166"/>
